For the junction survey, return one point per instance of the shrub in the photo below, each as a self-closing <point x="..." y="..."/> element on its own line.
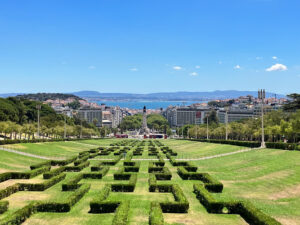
<point x="97" y="175"/>
<point x="77" y="168"/>
<point x="66" y="205"/>
<point x="72" y="183"/>
<point x="9" y="191"/>
<point x="41" y="186"/>
<point x="54" y="172"/>
<point x="125" y="187"/>
<point x="38" y="165"/>
<point x="20" y="215"/>
<point x="3" y="206"/>
<point x="210" y="183"/>
<point x="156" y="215"/>
<point x="121" y="216"/>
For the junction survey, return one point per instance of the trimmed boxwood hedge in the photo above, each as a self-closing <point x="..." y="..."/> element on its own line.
<point x="9" y="191"/>
<point x="125" y="187"/>
<point x="3" y="206"/>
<point x="156" y="215"/>
<point x="41" y="186"/>
<point x="180" y="205"/>
<point x="210" y="183"/>
<point x="252" y="144"/>
<point x="77" y="168"/>
<point x="121" y="215"/>
<point x="20" y="215"/>
<point x="55" y="172"/>
<point x="64" y="206"/>
<point x="23" y="175"/>
<point x="246" y="210"/>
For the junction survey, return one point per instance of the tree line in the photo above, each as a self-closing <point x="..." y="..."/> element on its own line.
<point x="18" y="120"/>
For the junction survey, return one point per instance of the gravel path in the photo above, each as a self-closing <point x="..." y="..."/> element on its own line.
<point x="30" y="155"/>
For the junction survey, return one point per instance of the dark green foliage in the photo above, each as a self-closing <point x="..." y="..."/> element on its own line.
<point x="72" y="184"/>
<point x="42" y="186"/>
<point x="23" y="175"/>
<point x="97" y="175"/>
<point x="54" y="172"/>
<point x="121" y="216"/>
<point x="3" y="206"/>
<point x="245" y="209"/>
<point x="156" y="215"/>
<point x="9" y="190"/>
<point x="250" y="144"/>
<point x="281" y="145"/>
<point x="77" y="168"/>
<point x="38" y="165"/>
<point x="125" y="187"/>
<point x="64" y="206"/>
<point x="181" y="204"/>
<point x="210" y="183"/>
<point x="20" y="215"/>
<point x="63" y="162"/>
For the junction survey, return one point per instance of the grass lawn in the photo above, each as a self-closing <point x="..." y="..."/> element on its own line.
<point x="59" y="149"/>
<point x="269" y="178"/>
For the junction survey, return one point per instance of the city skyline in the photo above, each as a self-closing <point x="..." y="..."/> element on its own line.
<point x="143" y="47"/>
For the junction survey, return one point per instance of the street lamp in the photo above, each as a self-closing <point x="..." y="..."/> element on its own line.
<point x="38" y="107"/>
<point x="65" y="128"/>
<point x="226" y="122"/>
<point x="207" y="127"/>
<point x="262" y="96"/>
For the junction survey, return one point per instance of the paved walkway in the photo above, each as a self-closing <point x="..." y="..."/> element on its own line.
<point x="30" y="155"/>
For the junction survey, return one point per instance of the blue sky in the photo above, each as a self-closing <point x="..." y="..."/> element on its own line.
<point x="143" y="46"/>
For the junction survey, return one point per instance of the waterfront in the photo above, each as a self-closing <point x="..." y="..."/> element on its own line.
<point x="148" y="104"/>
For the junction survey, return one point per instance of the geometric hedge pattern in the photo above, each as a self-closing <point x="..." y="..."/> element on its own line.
<point x="123" y="158"/>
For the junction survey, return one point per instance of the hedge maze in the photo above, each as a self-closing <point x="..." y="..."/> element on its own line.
<point x="118" y="177"/>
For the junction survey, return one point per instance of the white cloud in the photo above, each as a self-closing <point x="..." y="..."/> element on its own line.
<point x="92" y="67"/>
<point x="177" y="67"/>
<point x="194" y="74"/>
<point x="275" y="57"/>
<point x="237" y="67"/>
<point x="277" y="67"/>
<point x="197" y="67"/>
<point x="258" y="58"/>
<point x="134" y="69"/>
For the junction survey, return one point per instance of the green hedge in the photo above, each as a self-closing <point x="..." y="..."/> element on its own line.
<point x="77" y="168"/>
<point x="72" y="184"/>
<point x="97" y="175"/>
<point x="23" y="175"/>
<point x="3" y="206"/>
<point x="38" y="165"/>
<point x="63" y="162"/>
<point x="156" y="215"/>
<point x="121" y="215"/>
<point x="125" y="187"/>
<point x="210" y="183"/>
<point x="64" y="206"/>
<point x="9" y="191"/>
<point x="52" y="173"/>
<point x="180" y="205"/>
<point x="41" y="186"/>
<point x="252" y="144"/>
<point x="246" y="210"/>
<point x="20" y="215"/>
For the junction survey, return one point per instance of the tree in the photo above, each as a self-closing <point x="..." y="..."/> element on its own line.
<point x="294" y="103"/>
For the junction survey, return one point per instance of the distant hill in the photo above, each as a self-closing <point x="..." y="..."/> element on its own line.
<point x="161" y="96"/>
<point x="172" y="96"/>
<point x="46" y="96"/>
